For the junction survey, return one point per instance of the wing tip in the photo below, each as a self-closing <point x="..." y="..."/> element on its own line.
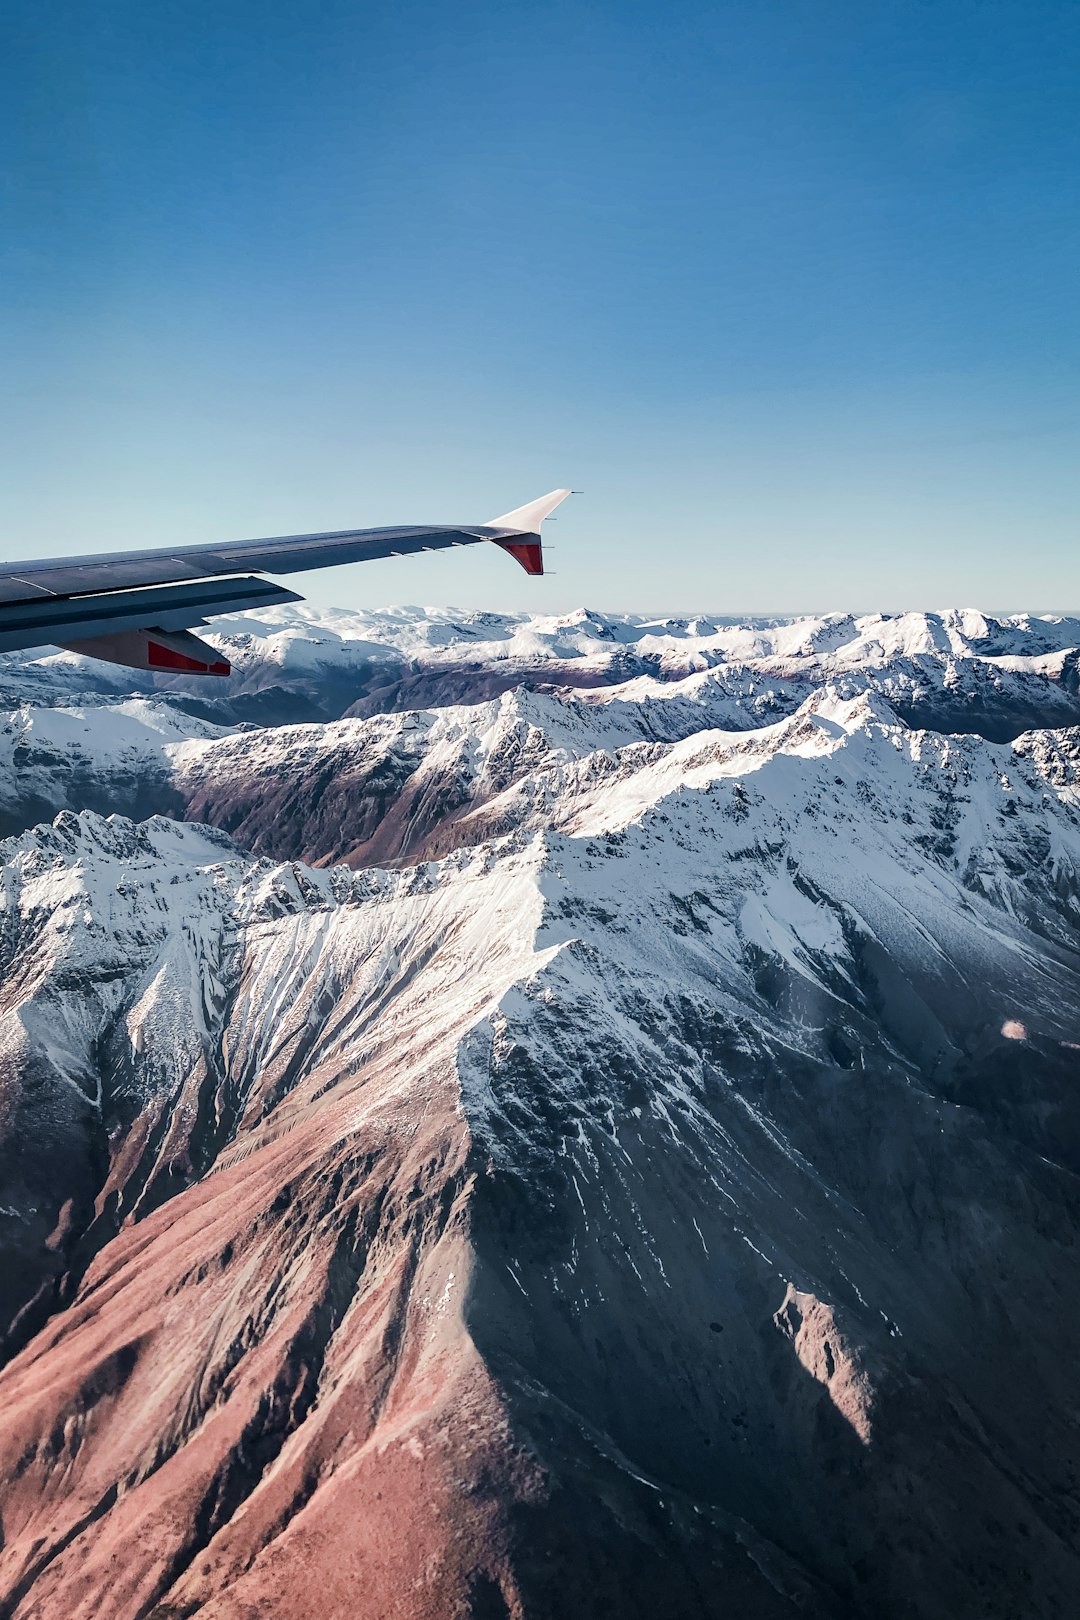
<point x="528" y="518"/>
<point x="524" y="522"/>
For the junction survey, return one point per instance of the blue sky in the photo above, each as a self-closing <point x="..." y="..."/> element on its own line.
<point x="787" y="287"/>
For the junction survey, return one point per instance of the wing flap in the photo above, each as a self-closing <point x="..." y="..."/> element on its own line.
<point x="169" y="652"/>
<point x="48" y="621"/>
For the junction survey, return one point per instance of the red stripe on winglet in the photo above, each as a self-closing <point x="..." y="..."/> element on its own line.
<point x="159" y="657"/>
<point x="527" y="552"/>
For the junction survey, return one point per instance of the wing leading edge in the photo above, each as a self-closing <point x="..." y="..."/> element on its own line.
<point x="138" y="607"/>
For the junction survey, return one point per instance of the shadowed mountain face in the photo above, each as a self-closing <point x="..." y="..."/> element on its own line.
<point x="643" y="1181"/>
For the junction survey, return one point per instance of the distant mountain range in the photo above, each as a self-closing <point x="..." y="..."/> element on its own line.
<point x="529" y="1118"/>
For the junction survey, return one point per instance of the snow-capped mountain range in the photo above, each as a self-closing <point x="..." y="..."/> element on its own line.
<point x="583" y="1119"/>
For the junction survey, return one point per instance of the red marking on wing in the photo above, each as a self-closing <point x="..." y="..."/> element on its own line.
<point x="527" y="552"/>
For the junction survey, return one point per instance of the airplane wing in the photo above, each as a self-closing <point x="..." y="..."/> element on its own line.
<point x="138" y="607"/>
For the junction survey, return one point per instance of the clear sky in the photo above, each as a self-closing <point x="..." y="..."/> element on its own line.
<point x="789" y="288"/>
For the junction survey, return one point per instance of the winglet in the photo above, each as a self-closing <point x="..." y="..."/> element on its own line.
<point x="525" y="521"/>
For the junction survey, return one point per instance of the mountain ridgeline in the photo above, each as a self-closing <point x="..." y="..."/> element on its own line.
<point x="528" y="1118"/>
